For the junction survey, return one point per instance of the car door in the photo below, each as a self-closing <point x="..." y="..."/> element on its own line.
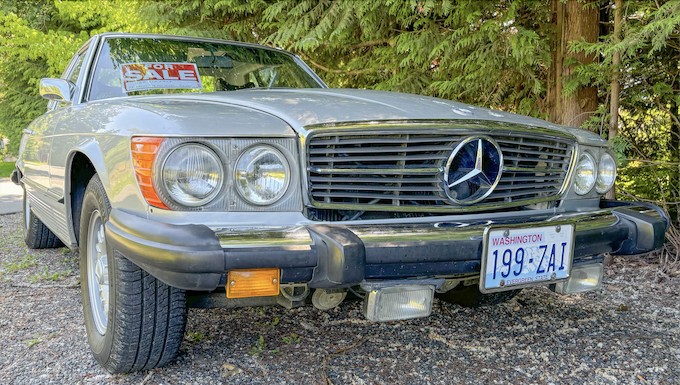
<point x="63" y="137"/>
<point x="36" y="143"/>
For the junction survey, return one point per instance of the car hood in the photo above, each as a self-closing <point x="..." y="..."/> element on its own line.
<point x="301" y="108"/>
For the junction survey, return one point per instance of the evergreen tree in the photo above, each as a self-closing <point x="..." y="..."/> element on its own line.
<point x="648" y="132"/>
<point x="487" y="53"/>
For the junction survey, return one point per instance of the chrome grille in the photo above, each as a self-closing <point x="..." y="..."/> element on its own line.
<point x="402" y="169"/>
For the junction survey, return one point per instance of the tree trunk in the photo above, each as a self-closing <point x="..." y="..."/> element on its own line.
<point x="574" y="20"/>
<point x="675" y="127"/>
<point x="615" y="85"/>
<point x="675" y="145"/>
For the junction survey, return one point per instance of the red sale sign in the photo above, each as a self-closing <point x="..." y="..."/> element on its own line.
<point x="153" y="76"/>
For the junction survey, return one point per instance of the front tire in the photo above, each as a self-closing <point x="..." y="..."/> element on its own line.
<point x="133" y="321"/>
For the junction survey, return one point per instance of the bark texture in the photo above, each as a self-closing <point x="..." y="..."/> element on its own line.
<point x="574" y="20"/>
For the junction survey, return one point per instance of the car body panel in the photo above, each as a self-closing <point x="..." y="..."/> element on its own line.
<point x="310" y="107"/>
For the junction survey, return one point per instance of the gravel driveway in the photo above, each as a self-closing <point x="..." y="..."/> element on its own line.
<point x="627" y="333"/>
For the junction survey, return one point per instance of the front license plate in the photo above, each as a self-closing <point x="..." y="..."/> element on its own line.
<point x="526" y="257"/>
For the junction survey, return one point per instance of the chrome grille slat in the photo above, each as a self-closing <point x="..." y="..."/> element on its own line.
<point x="505" y="145"/>
<point x="403" y="167"/>
<point x="530" y="152"/>
<point x="386" y="140"/>
<point x="375" y="171"/>
<point x="353" y="150"/>
<point x="379" y="196"/>
<point x="511" y="194"/>
<point x="510" y="179"/>
<point x="533" y="170"/>
<point x="503" y="187"/>
<point x="377" y="158"/>
<point x="372" y="188"/>
<point x="379" y="181"/>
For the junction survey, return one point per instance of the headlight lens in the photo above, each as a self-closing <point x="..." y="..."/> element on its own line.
<point x="192" y="174"/>
<point x="262" y="175"/>
<point x="584" y="177"/>
<point x="606" y="173"/>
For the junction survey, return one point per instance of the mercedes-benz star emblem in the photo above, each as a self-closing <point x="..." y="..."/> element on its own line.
<point x="473" y="170"/>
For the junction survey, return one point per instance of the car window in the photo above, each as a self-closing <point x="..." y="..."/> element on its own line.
<point x="75" y="70"/>
<point x="142" y="66"/>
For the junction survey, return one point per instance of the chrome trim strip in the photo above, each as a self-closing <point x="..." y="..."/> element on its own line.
<point x="292" y="238"/>
<point x="395" y="171"/>
<point x="441" y="126"/>
<point x="395" y="234"/>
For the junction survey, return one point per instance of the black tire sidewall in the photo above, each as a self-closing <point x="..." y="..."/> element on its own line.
<point x="95" y="199"/>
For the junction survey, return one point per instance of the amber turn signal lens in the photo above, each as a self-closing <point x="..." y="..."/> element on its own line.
<point x="144" y="151"/>
<point x="253" y="283"/>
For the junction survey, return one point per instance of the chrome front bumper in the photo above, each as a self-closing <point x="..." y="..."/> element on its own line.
<point x="332" y="255"/>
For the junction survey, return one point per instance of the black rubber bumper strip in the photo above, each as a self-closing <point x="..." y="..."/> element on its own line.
<point x="184" y="256"/>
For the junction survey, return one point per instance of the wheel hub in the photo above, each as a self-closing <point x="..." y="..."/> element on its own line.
<point x="27" y="213"/>
<point x="98" y="272"/>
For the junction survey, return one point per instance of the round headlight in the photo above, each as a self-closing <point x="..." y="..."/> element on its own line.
<point x="606" y="173"/>
<point x="586" y="172"/>
<point x="262" y="175"/>
<point x="192" y="174"/>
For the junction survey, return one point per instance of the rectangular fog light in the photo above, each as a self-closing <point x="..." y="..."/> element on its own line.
<point x="399" y="302"/>
<point x="583" y="278"/>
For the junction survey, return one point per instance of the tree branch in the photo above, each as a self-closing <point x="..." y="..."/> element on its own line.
<point x="333" y="70"/>
<point x="370" y="43"/>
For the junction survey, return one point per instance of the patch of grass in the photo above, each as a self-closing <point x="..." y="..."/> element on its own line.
<point x="70" y="258"/>
<point x="40" y="339"/>
<point x="33" y="341"/>
<point x="292" y="338"/>
<point x="46" y="275"/>
<point x="195" y="337"/>
<point x="259" y="347"/>
<point x="6" y="169"/>
<point x="25" y="262"/>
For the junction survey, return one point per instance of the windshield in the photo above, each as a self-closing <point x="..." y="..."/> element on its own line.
<point x="142" y="66"/>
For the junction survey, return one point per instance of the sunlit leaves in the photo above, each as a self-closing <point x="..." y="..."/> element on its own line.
<point x="38" y="39"/>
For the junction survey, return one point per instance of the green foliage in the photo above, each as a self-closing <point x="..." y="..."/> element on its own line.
<point x="6" y="169"/>
<point x="648" y="142"/>
<point x="37" y="40"/>
<point x="292" y="338"/>
<point x="23" y="263"/>
<point x="259" y="346"/>
<point x="195" y="337"/>
<point x="46" y="275"/>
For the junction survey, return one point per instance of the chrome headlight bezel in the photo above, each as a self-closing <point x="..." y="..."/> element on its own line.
<point x="241" y="182"/>
<point x="208" y="198"/>
<point x="584" y="156"/>
<point x="603" y="186"/>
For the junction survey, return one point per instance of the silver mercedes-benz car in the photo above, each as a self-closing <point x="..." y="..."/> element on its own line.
<point x="199" y="172"/>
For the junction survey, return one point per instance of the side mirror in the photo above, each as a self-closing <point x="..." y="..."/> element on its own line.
<point x="59" y="90"/>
